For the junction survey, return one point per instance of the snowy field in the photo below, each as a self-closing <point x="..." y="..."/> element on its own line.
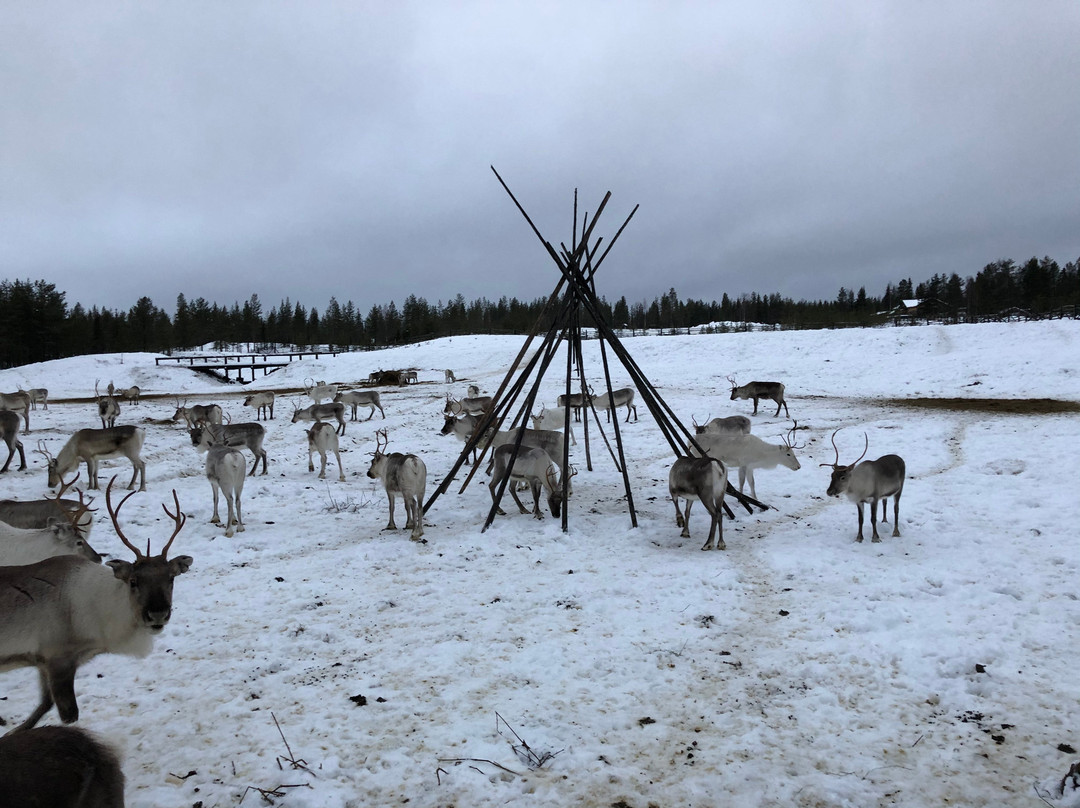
<point x="797" y="668"/>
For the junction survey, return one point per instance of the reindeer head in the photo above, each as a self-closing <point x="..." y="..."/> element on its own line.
<point x="56" y="474"/>
<point x="734" y="386"/>
<point x="378" y="457"/>
<point x="841" y="474"/>
<point x="700" y="428"/>
<point x="149" y="578"/>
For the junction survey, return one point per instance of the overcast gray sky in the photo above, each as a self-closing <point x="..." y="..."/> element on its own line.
<point x="311" y="149"/>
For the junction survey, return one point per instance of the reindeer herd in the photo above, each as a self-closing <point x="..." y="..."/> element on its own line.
<point x="61" y="607"/>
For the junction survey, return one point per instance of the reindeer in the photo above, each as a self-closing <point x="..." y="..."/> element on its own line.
<point x="263" y="404"/>
<point x="467" y="406"/>
<point x="38" y="395"/>
<point x="130" y="394"/>
<point x="319" y="412"/>
<point x="731" y="425"/>
<point x="462" y="428"/>
<point x="552" y="420"/>
<point x="107" y="406"/>
<point x="37" y="513"/>
<point x="532" y="466"/>
<point x="403" y="474"/>
<point x="550" y="440"/>
<point x="197" y="414"/>
<point x="758" y="390"/>
<point x="59" y="537"/>
<point x="448" y="376"/>
<point x="322" y="438"/>
<point x="60" y="767"/>
<point x="317" y="391"/>
<point x="409" y="377"/>
<point x="624" y="397"/>
<point x="749" y="452"/>
<point x="577" y="401"/>
<point x="870" y="481"/>
<point x="19" y="403"/>
<point x="248" y="435"/>
<point x="63" y="611"/>
<point x="361" y="398"/>
<point x="701" y="479"/>
<point x="9" y="433"/>
<point x="93" y="445"/>
<point x="225" y="467"/>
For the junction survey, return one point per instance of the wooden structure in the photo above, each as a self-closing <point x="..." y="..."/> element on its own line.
<point x="241" y="363"/>
<point x="574" y="295"/>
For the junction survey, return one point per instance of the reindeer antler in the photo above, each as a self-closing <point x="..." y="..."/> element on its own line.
<point x="789" y="439"/>
<point x="65" y="486"/>
<point x="76" y="515"/>
<point x="381" y="441"/>
<point x="115" y="512"/>
<point x="41" y="449"/>
<point x="180" y="518"/>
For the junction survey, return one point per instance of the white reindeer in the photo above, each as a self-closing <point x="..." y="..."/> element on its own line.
<point x="404" y="475"/>
<point x="552" y="420"/>
<point x="701" y="479"/>
<point x="749" y="452"/>
<point x="29" y="545"/>
<point x="870" y="481"/>
<point x="226" y="470"/>
<point x="317" y="391"/>
<point x="322" y="438"/>
<point x="63" y="611"/>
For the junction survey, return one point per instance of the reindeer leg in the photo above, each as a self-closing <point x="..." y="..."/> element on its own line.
<point x="513" y="492"/>
<point x="417" y="517"/>
<point x="896" y="515"/>
<point x="390" y="525"/>
<point x="239" y="518"/>
<point x="61" y="677"/>
<point x="686" y="520"/>
<point x="859" y="505"/>
<point x="873" y="520"/>
<point x="678" y="513"/>
<point x="215" y="519"/>
<point x="341" y="471"/>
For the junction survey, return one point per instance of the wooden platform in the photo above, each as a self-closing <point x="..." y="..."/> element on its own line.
<point x="242" y="363"/>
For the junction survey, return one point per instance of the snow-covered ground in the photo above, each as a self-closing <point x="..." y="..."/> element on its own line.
<point x="797" y="668"/>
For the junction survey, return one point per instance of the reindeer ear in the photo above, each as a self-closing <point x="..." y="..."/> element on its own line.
<point x="180" y="565"/>
<point x="121" y="569"/>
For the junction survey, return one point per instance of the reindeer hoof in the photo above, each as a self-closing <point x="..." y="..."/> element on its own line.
<point x="686" y="535"/>
<point x="876" y="540"/>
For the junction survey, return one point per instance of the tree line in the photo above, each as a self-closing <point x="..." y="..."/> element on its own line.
<point x="37" y="324"/>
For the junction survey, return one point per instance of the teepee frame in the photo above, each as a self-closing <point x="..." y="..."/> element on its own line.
<point x="575" y="293"/>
